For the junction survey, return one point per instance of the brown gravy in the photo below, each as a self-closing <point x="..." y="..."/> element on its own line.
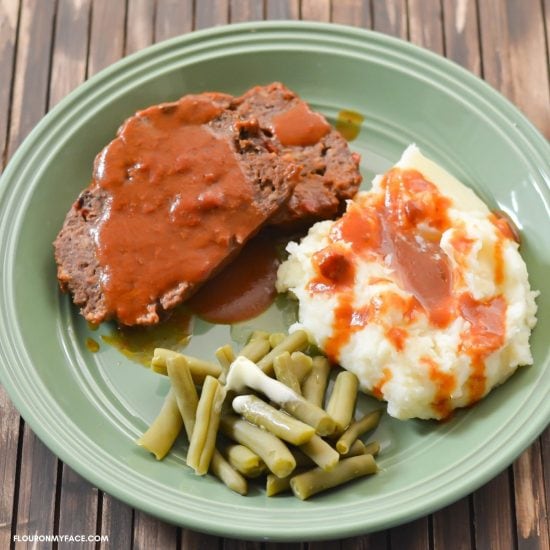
<point x="300" y="126"/>
<point x="244" y="289"/>
<point x="170" y="181"/>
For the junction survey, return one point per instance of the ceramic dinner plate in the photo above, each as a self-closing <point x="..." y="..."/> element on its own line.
<point x="90" y="407"/>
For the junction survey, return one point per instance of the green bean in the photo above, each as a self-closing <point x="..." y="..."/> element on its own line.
<point x="310" y="414"/>
<point x="275" y="485"/>
<point x="227" y="474"/>
<point x="255" y="349"/>
<point x="243" y="459"/>
<point x="278" y="423"/>
<point x="314" y="481"/>
<point x="259" y="335"/>
<point x="184" y="390"/>
<point x="282" y="365"/>
<point x="203" y="438"/>
<point x="320" y="452"/>
<point x="244" y="373"/>
<point x="164" y="430"/>
<point x="341" y="404"/>
<point x="275" y="338"/>
<point x="199" y="369"/>
<point x="296" y="341"/>
<point x="372" y="448"/>
<point x="358" y="448"/>
<point x="356" y="429"/>
<point x="271" y="449"/>
<point x="315" y="385"/>
<point x="301" y="365"/>
<point x="225" y="356"/>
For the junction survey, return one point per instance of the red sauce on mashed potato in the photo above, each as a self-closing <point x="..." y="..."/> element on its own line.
<point x="402" y="227"/>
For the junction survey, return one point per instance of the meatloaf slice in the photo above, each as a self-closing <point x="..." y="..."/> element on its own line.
<point x="329" y="173"/>
<point x="86" y="237"/>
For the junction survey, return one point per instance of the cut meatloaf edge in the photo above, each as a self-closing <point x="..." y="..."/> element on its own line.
<point x="329" y="172"/>
<point x="78" y="268"/>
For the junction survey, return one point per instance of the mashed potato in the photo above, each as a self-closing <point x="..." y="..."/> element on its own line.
<point x="418" y="289"/>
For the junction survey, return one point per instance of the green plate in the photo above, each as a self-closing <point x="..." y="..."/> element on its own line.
<point x="89" y="408"/>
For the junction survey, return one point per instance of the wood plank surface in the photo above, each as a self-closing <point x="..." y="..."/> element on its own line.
<point x="451" y="527"/>
<point x="32" y="69"/>
<point x="352" y="12"/>
<point x="37" y="476"/>
<point x="245" y="10"/>
<point x="191" y="540"/>
<point x="373" y="541"/>
<point x="10" y="424"/>
<point x="210" y="13"/>
<point x="282" y="9"/>
<point x="286" y="546"/>
<point x="515" y="55"/>
<point x="10" y="427"/>
<point x="140" y="25"/>
<point x="425" y="25"/>
<point x="461" y="31"/>
<point x="234" y="544"/>
<point x="116" y="522"/>
<point x="390" y="17"/>
<point x="545" y="454"/>
<point x="325" y="545"/>
<point x="70" y="49"/>
<point x="78" y="507"/>
<point x="48" y="47"/>
<point x="107" y="35"/>
<point x="531" y="513"/>
<point x="414" y="535"/>
<point x="172" y="18"/>
<point x="315" y="10"/>
<point x="150" y="532"/>
<point x="9" y="18"/>
<point x="493" y="523"/>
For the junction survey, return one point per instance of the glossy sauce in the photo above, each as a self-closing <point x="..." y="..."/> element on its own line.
<point x="177" y="197"/>
<point x="505" y="224"/>
<point x="499" y="261"/>
<point x="379" y="386"/>
<point x="388" y="227"/>
<point x="244" y="289"/>
<point x="139" y="343"/>
<point x="397" y="336"/>
<point x="300" y="126"/>
<point x="444" y="383"/>
<point x="485" y="335"/>
<point x="92" y="345"/>
<point x="349" y="123"/>
<point x="342" y="328"/>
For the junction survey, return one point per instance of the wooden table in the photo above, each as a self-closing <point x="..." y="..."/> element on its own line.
<point x="48" y="47"/>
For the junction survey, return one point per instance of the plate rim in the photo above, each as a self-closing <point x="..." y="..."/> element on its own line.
<point x="525" y="128"/>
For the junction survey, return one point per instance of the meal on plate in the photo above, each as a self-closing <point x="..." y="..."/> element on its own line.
<point x="414" y="291"/>
<point x="418" y="289"/>
<point x="184" y="186"/>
